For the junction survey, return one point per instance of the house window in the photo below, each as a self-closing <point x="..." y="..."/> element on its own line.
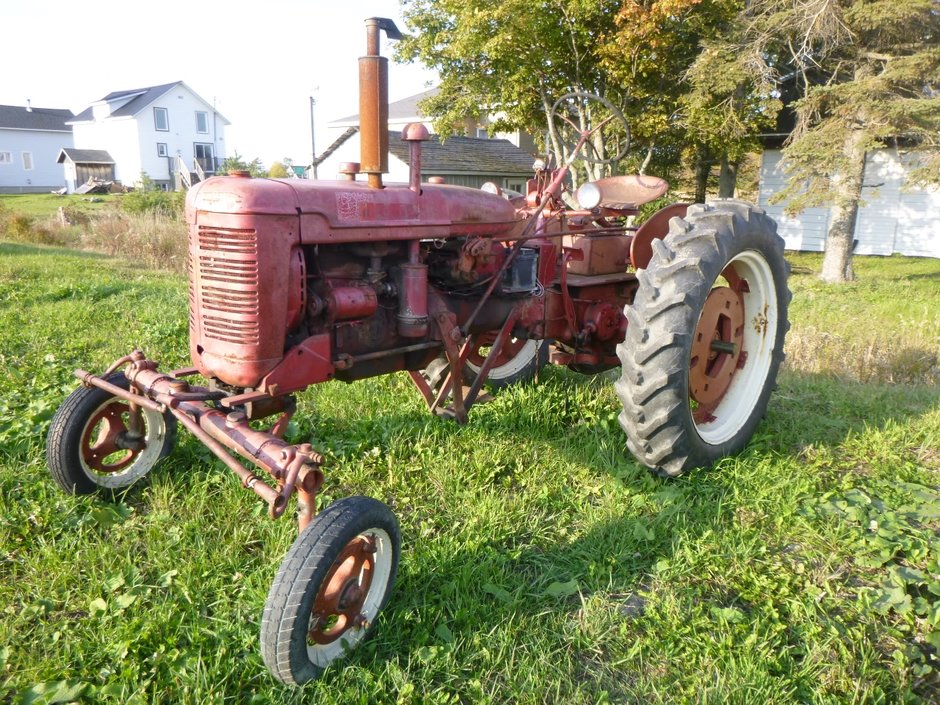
<point x="161" y="121"/>
<point x="202" y="122"/>
<point x="161" y="149"/>
<point x="482" y="133"/>
<point x="204" y="154"/>
<point x="27" y="161"/>
<point x="6" y="157"/>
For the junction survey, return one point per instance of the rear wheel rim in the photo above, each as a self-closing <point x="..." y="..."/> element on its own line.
<point x="515" y="355"/>
<point x="732" y="349"/>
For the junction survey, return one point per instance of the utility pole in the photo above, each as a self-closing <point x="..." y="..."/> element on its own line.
<point x="313" y="144"/>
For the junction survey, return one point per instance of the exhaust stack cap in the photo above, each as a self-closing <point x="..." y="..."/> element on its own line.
<point x="373" y="101"/>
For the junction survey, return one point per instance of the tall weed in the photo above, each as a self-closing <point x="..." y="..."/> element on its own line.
<point x="153" y="240"/>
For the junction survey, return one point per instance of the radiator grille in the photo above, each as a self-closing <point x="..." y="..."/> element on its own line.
<point x="227" y="263"/>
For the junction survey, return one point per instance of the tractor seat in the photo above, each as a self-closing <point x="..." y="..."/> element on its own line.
<point x="621" y="192"/>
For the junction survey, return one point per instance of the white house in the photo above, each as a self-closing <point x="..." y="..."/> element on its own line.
<point x="30" y="140"/>
<point x="506" y="159"/>
<point x="149" y="130"/>
<point x="893" y="218"/>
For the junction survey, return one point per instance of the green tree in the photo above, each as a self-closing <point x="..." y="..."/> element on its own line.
<point x="237" y="163"/>
<point x="652" y="56"/>
<point x="730" y="99"/>
<point x="869" y="76"/>
<point x="513" y="59"/>
<point x="278" y="170"/>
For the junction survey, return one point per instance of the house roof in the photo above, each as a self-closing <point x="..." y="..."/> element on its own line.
<point x="84" y="156"/>
<point x="399" y="110"/>
<point x="18" y="117"/>
<point x="337" y="143"/>
<point x="139" y="98"/>
<point x="465" y="155"/>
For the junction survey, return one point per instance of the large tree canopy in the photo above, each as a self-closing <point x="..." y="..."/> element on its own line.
<point x="699" y="79"/>
<point x="687" y="103"/>
<point x="513" y="58"/>
<point x="869" y="75"/>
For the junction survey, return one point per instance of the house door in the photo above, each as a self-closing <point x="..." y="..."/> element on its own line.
<point x="205" y="156"/>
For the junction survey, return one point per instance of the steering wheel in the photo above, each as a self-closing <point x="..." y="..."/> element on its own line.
<point x="569" y="109"/>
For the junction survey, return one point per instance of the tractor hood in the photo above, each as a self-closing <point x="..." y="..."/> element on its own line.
<point x="351" y="211"/>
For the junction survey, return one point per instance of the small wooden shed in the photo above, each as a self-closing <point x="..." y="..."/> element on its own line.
<point x="84" y="164"/>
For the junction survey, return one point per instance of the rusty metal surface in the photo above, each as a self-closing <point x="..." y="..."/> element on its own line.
<point x="413" y="306"/>
<point x="716" y="348"/>
<point x="656" y="227"/>
<point x="373" y="116"/>
<point x="103" y="445"/>
<point x="604" y="254"/>
<point x="217" y="430"/>
<point x="304" y="364"/>
<point x="240" y="297"/>
<point x="373" y="102"/>
<point x="337" y="607"/>
<point x="346" y="303"/>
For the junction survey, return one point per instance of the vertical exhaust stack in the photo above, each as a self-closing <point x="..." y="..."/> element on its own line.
<point x="373" y="101"/>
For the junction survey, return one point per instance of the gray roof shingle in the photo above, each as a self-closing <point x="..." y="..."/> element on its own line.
<point x="144" y="97"/>
<point x="84" y="156"/>
<point x="466" y="155"/>
<point x="400" y="109"/>
<point x="17" y="117"/>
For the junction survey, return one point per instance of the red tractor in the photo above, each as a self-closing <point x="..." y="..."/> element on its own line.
<point x="295" y="282"/>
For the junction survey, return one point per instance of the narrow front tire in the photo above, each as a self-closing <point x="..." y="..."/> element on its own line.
<point x="330" y="588"/>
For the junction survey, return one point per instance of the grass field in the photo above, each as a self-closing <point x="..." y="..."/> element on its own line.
<point x="540" y="563"/>
<point x="45" y="205"/>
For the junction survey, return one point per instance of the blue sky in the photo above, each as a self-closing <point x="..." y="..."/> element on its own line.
<point x="259" y="61"/>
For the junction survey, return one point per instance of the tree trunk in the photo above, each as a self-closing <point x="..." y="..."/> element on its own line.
<point x="702" y="171"/>
<point x="837" y="262"/>
<point x="727" y="177"/>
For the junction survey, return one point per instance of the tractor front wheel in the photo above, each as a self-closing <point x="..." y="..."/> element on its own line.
<point x="95" y="443"/>
<point x="704" y="337"/>
<point x="331" y="586"/>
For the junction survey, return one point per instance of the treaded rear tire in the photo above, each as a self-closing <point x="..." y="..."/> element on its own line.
<point x="287" y="612"/>
<point x="655" y="355"/>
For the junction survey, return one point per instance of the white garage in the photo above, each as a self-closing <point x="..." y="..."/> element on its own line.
<point x="891" y="220"/>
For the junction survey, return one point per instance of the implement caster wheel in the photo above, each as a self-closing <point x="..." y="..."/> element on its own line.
<point x="91" y="445"/>
<point x="330" y="588"/>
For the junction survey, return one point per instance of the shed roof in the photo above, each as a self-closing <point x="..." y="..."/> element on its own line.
<point x="18" y="117"/>
<point x="84" y="156"/>
<point x="399" y="110"/>
<point x="465" y="155"/>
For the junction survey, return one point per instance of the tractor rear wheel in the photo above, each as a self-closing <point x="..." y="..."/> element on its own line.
<point x="704" y="338"/>
<point x="92" y="445"/>
<point x="331" y="586"/>
<point x="519" y="360"/>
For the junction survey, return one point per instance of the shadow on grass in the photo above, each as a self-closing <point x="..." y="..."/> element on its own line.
<point x="509" y="579"/>
<point x="524" y="584"/>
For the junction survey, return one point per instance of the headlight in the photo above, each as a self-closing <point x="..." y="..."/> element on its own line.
<point x="589" y="196"/>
